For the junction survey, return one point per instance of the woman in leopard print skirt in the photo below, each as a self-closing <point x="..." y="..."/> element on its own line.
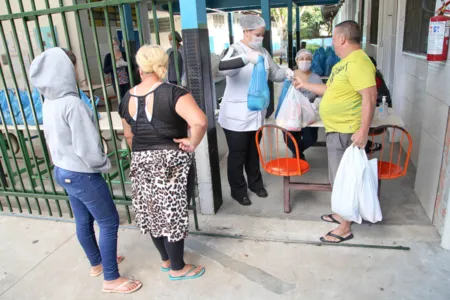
<point x="156" y="117"/>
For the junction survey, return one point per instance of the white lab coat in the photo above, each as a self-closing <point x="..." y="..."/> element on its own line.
<point x="234" y="114"/>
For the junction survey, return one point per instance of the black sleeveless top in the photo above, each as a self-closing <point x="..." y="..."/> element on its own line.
<point x="165" y="124"/>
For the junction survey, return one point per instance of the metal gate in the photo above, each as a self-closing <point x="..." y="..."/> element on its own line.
<point x="27" y="28"/>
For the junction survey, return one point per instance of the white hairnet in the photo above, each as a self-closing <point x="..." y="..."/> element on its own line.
<point x="250" y="22"/>
<point x="303" y="52"/>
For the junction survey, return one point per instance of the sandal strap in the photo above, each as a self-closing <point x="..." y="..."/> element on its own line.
<point x="332" y="218"/>
<point x="340" y="238"/>
<point x="190" y="270"/>
<point x="130" y="280"/>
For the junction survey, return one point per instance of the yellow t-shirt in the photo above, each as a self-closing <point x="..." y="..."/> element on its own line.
<point x="341" y="105"/>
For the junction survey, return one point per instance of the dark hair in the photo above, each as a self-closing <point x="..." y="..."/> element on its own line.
<point x="178" y="37"/>
<point x="373" y="61"/>
<point x="351" y="31"/>
<point x="71" y="56"/>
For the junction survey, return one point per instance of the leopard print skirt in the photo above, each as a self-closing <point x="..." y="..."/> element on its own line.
<point x="159" y="192"/>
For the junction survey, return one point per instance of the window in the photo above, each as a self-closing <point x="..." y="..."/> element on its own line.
<point x="417" y="20"/>
<point x="218" y="20"/>
<point x="113" y="16"/>
<point x="163" y="24"/>
<point x="374" y="12"/>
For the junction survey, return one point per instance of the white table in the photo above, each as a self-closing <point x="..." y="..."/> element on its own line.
<point x="95" y="87"/>
<point x="391" y="119"/>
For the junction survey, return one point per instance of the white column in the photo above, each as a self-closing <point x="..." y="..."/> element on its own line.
<point x="204" y="180"/>
<point x="445" y="241"/>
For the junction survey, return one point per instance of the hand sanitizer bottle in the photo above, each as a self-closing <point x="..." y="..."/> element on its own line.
<point x="382" y="110"/>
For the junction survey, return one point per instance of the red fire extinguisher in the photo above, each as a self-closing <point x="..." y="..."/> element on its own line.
<point x="439" y="35"/>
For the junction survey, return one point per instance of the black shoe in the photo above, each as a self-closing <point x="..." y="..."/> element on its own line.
<point x="245" y="201"/>
<point x="262" y="193"/>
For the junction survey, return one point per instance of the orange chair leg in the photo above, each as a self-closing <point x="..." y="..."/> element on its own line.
<point x="287" y="195"/>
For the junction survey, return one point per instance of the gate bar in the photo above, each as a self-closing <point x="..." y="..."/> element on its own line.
<point x="155" y="22"/>
<point x="174" y="42"/>
<point x="107" y="104"/>
<point x="72" y="8"/>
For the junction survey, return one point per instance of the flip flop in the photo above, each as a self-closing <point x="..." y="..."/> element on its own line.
<point x="116" y="289"/>
<point x="330" y="216"/>
<point x="185" y="277"/>
<point x="165" y="270"/>
<point x="119" y="260"/>
<point x="340" y="238"/>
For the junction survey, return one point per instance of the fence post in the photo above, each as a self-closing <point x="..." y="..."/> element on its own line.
<point x="297" y="26"/>
<point x="267" y="43"/>
<point x="230" y="28"/>
<point x="290" y="42"/>
<point x="201" y="85"/>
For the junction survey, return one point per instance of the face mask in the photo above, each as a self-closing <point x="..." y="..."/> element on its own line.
<point x="304" y="65"/>
<point x="256" y="42"/>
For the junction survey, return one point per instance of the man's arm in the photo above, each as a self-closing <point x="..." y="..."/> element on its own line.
<point x="317" y="88"/>
<point x="369" y="101"/>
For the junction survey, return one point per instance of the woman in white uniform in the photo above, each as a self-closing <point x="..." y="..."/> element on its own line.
<point x="239" y="123"/>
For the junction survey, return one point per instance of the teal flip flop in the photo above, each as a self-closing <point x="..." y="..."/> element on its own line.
<point x="165" y="270"/>
<point x="185" y="277"/>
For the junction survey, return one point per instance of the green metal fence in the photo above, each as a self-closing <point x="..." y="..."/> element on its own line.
<point x="27" y="185"/>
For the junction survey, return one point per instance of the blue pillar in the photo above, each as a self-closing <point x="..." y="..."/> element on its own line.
<point x="297" y="26"/>
<point x="201" y="85"/>
<point x="265" y="8"/>
<point x="129" y="22"/>
<point x="290" y="41"/>
<point x="230" y="28"/>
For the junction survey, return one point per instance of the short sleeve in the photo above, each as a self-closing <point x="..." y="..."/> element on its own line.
<point x="361" y="74"/>
<point x="177" y="93"/>
<point x="314" y="78"/>
<point x="123" y="106"/>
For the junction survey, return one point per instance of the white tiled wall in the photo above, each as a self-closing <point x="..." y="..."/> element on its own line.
<point x="421" y="97"/>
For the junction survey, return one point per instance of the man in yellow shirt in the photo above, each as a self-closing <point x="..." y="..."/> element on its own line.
<point x="346" y="109"/>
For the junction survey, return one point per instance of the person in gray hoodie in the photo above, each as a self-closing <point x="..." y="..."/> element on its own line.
<point x="74" y="144"/>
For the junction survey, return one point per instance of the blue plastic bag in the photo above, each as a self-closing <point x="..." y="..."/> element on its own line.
<point x="37" y="107"/>
<point x="318" y="62"/>
<point x="28" y="112"/>
<point x="286" y="86"/>
<point x="88" y="102"/>
<point x="258" y="91"/>
<point x="330" y="61"/>
<point x="7" y="113"/>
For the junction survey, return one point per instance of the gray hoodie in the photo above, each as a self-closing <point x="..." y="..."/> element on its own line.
<point x="70" y="131"/>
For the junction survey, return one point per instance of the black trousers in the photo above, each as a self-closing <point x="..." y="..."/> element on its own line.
<point x="172" y="251"/>
<point x="123" y="89"/>
<point x="243" y="154"/>
<point x="305" y="139"/>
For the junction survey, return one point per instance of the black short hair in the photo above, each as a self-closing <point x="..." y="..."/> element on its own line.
<point x="351" y="30"/>
<point x="373" y="61"/>
<point x="72" y="56"/>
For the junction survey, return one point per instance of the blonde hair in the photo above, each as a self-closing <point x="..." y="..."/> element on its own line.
<point x="152" y="59"/>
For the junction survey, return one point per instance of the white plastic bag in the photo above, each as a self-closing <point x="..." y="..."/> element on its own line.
<point x="296" y="111"/>
<point x="369" y="204"/>
<point x="347" y="184"/>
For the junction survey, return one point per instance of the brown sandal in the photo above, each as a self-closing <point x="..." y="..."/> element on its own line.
<point x="116" y="289"/>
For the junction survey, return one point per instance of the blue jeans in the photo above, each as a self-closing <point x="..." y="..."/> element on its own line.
<point x="91" y="200"/>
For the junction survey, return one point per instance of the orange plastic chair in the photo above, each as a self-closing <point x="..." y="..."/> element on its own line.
<point x="393" y="158"/>
<point x="274" y="155"/>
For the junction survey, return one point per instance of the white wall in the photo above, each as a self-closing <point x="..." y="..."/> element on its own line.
<point x="420" y="95"/>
